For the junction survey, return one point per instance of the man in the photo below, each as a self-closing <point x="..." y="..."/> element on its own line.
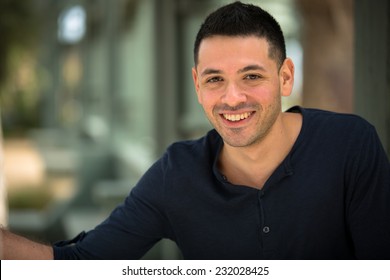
<point x="302" y="184"/>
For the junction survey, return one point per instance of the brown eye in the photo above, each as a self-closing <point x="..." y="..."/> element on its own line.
<point x="252" y="77"/>
<point x="214" y="80"/>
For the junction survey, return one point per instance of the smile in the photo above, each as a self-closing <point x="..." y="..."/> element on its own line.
<point x="237" y="117"/>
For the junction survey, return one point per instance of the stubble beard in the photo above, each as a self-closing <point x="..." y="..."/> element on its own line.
<point x="237" y="137"/>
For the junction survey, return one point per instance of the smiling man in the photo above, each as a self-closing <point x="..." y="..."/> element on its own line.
<point x="240" y="82"/>
<point x="264" y="184"/>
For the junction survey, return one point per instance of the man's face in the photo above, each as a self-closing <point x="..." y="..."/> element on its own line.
<point x="240" y="87"/>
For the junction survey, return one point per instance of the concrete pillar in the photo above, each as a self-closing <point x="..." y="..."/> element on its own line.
<point x="327" y="40"/>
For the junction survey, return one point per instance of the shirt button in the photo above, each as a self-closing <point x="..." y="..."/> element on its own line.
<point x="224" y="178"/>
<point x="266" y="229"/>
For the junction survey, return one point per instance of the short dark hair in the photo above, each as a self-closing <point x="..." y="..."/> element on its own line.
<point x="238" y="19"/>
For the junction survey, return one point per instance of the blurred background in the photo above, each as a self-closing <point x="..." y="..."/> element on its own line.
<point x="93" y="91"/>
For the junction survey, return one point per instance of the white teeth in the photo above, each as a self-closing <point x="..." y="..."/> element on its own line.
<point x="236" y="117"/>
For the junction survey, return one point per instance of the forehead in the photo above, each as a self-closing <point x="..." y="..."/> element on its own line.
<point x="228" y="51"/>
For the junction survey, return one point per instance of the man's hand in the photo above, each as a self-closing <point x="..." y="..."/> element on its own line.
<point x="15" y="247"/>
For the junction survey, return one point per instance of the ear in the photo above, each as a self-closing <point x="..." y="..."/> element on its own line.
<point x="196" y="83"/>
<point x="286" y="77"/>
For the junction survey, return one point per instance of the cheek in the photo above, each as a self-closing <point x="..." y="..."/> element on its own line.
<point x="207" y="98"/>
<point x="268" y="94"/>
<point x="207" y="104"/>
<point x="261" y="96"/>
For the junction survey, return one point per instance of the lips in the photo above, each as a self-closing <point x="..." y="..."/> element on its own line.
<point x="237" y="117"/>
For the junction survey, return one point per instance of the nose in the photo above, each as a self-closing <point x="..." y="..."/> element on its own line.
<point x="233" y="95"/>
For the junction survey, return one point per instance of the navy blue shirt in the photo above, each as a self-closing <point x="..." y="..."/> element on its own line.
<point x="329" y="199"/>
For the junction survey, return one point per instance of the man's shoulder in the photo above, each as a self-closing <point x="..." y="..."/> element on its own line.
<point x="199" y="148"/>
<point x="329" y="120"/>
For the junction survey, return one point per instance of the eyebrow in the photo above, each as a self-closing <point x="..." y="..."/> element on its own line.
<point x="251" y="67"/>
<point x="210" y="71"/>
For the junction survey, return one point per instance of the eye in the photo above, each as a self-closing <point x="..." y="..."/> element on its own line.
<point x="214" y="80"/>
<point x="252" y="77"/>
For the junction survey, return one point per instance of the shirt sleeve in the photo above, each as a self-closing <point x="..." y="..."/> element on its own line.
<point x="368" y="197"/>
<point x="130" y="230"/>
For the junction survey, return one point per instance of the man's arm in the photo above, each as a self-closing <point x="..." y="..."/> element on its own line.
<point x="15" y="247"/>
<point x="368" y="198"/>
